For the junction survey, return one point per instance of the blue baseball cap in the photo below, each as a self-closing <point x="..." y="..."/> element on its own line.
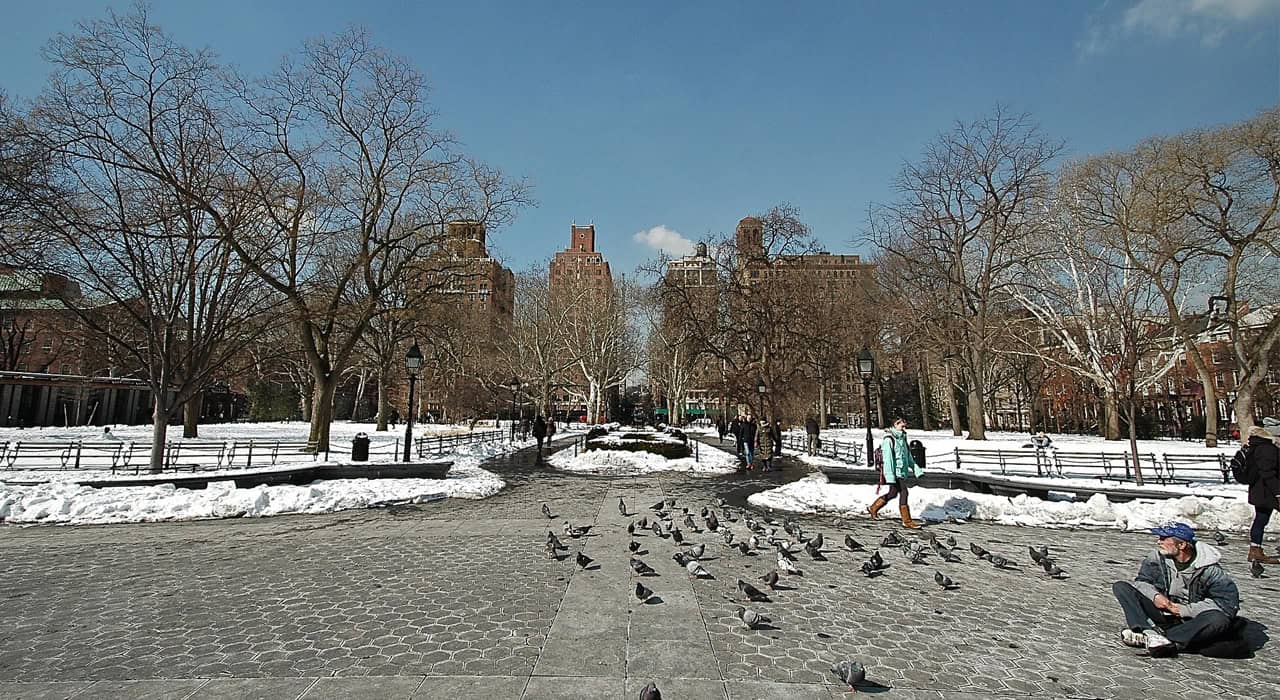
<point x="1182" y="531"/>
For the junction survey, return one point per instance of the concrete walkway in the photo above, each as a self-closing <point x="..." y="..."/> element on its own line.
<point x="458" y="600"/>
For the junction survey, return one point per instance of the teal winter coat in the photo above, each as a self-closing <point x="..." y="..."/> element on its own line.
<point x="898" y="463"/>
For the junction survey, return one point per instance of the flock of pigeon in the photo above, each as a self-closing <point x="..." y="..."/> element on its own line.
<point x="669" y="523"/>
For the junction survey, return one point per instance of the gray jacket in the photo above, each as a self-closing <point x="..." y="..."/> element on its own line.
<point x="1200" y="588"/>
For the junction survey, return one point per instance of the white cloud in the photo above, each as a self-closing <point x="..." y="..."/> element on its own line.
<point x="666" y="240"/>
<point x="1207" y="21"/>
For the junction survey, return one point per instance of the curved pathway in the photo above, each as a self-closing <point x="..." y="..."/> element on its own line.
<point x="458" y="599"/>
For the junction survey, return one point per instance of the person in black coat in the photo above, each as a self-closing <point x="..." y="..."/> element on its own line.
<point x="1264" y="490"/>
<point x="748" y="437"/>
<point x="775" y="432"/>
<point x="811" y="430"/>
<point x="735" y="429"/>
<point x="539" y="433"/>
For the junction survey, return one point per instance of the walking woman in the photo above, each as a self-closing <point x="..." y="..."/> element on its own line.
<point x="898" y="467"/>
<point x="1264" y="490"/>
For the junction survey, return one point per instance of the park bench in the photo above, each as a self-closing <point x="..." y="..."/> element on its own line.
<point x="197" y="454"/>
<point x="1189" y="468"/>
<point x="76" y="454"/>
<point x="1009" y="462"/>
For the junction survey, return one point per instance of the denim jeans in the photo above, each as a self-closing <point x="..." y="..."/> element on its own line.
<point x="1261" y="516"/>
<point x="1140" y="613"/>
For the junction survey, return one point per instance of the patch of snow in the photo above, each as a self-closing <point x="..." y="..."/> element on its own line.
<point x="711" y="462"/>
<point x="815" y="494"/>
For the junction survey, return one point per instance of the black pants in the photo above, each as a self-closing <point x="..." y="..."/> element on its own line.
<point x="1261" y="516"/>
<point x="540" y="448"/>
<point x="896" y="490"/>
<point x="1141" y="613"/>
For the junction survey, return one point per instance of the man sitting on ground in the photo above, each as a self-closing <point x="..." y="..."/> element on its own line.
<point x="1182" y="598"/>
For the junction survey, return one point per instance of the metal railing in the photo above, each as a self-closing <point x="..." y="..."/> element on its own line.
<point x="834" y="449"/>
<point x="1113" y="466"/>
<point x="440" y="444"/>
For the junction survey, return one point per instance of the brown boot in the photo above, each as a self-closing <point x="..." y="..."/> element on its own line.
<point x="874" y="509"/>
<point x="907" y="522"/>
<point x="1256" y="553"/>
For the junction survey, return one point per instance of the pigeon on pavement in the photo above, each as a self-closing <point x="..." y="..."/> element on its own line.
<point x="752" y="593"/>
<point x="650" y="692"/>
<point x="951" y="541"/>
<point x="814" y="552"/>
<point x="876" y="560"/>
<point x="853" y="545"/>
<point x="713" y="523"/>
<point x="851" y="673"/>
<point x="1256" y="569"/>
<point x="770" y="579"/>
<point x="869" y="568"/>
<point x="817" y="541"/>
<point x="576" y="531"/>
<point x="633" y="546"/>
<point x="1036" y="556"/>
<point x="555" y="541"/>
<point x="978" y="551"/>
<point x="657" y="506"/>
<point x="677" y="536"/>
<point x="891" y="539"/>
<point x="1219" y="538"/>
<point x="697" y="550"/>
<point x="743" y="548"/>
<point x="728" y="537"/>
<point x="751" y="618"/>
<point x="546" y="511"/>
<point x="943" y="580"/>
<point x="583" y="560"/>
<point x="787" y="567"/>
<point x="641" y="568"/>
<point x="622" y="506"/>
<point x="642" y="593"/>
<point x="696" y="569"/>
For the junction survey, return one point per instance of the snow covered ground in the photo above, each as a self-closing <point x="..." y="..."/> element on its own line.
<point x="710" y="462"/>
<point x="815" y="494"/>
<point x="58" y="501"/>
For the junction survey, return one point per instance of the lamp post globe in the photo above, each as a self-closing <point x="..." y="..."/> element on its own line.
<point x="412" y="365"/>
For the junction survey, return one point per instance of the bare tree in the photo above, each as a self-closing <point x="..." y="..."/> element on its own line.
<point x="962" y="214"/>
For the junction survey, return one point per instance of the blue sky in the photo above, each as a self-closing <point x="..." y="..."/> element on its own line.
<point x="691" y="115"/>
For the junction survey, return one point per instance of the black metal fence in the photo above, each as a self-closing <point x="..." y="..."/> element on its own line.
<point x="1170" y="468"/>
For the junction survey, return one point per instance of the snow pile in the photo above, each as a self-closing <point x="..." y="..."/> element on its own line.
<point x="711" y="461"/>
<point x="62" y="502"/>
<point x="815" y="494"/>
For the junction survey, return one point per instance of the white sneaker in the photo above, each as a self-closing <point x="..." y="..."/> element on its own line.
<point x="1159" y="645"/>
<point x="1133" y="638"/>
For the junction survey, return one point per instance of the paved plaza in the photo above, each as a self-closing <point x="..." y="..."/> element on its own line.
<point x="457" y="599"/>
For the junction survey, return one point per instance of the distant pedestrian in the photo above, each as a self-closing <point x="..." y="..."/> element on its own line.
<point x="735" y="429"/>
<point x="748" y="430"/>
<point x="551" y="429"/>
<point x="539" y="434"/>
<point x="524" y="428"/>
<point x="1041" y="441"/>
<point x="394" y="417"/>
<point x="1263" y="459"/>
<point x="776" y="434"/>
<point x="721" y="428"/>
<point x="765" y="446"/>
<point x="811" y="431"/>
<point x="107" y="434"/>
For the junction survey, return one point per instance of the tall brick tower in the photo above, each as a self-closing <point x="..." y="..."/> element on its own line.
<point x="580" y="263"/>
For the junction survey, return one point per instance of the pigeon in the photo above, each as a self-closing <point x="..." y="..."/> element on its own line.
<point x="917" y="557"/>
<point x="784" y="551"/>
<point x="770" y="579"/>
<point x="752" y="593"/>
<point x="851" y="673"/>
<point x="713" y="523"/>
<point x="891" y="539"/>
<point x="813" y="551"/>
<point x="650" y="692"/>
<point x="869" y="568"/>
<point x="1053" y="570"/>
<point x="949" y="556"/>
<point x="642" y="593"/>
<point x="787" y="567"/>
<point x="643" y="524"/>
<point x="951" y="541"/>
<point x="552" y="551"/>
<point x="978" y="551"/>
<point x="943" y="580"/>
<point x="697" y="550"/>
<point x="681" y="558"/>
<point x="1036" y="556"/>
<point x="555" y="541"/>
<point x="696" y="569"/>
<point x="622" y="506"/>
<point x="677" y="536"/>
<point x="631" y="529"/>
<point x="657" y="530"/>
<point x="575" y="532"/>
<point x="671" y="503"/>
<point x="1219" y="538"/>
<point x="817" y="541"/>
<point x="728" y="537"/>
<point x="547" y="511"/>
<point x="641" y="568"/>
<point x="688" y="522"/>
<point x="1256" y="569"/>
<point x="743" y="548"/>
<point x="853" y="545"/>
<point x="583" y="560"/>
<point x="1000" y="562"/>
<point x="730" y="515"/>
<point x="633" y="546"/>
<point x="752" y="619"/>
<point x="657" y="506"/>
<point x="754" y="542"/>
<point x="720" y="502"/>
<point x="876" y="560"/>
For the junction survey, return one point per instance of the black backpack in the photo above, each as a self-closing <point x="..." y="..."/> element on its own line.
<point x="1242" y="468"/>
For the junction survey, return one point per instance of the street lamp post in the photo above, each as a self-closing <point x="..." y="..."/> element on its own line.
<point x="412" y="364"/>
<point x="867" y="370"/>
<point x="761" y="390"/>
<point x="513" y="384"/>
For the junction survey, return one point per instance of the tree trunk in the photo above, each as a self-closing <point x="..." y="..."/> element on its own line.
<point x="953" y="405"/>
<point x="383" y="408"/>
<point x="1210" y="411"/>
<point x="977" y="416"/>
<point x="1244" y="410"/>
<point x="922" y="385"/>
<point x="822" y="405"/>
<point x="1111" y="414"/>
<point x="322" y="412"/>
<point x="159" y="433"/>
<point x="359" y="397"/>
<point x="191" y="416"/>
<point x="1133" y="441"/>
<point x="880" y="404"/>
